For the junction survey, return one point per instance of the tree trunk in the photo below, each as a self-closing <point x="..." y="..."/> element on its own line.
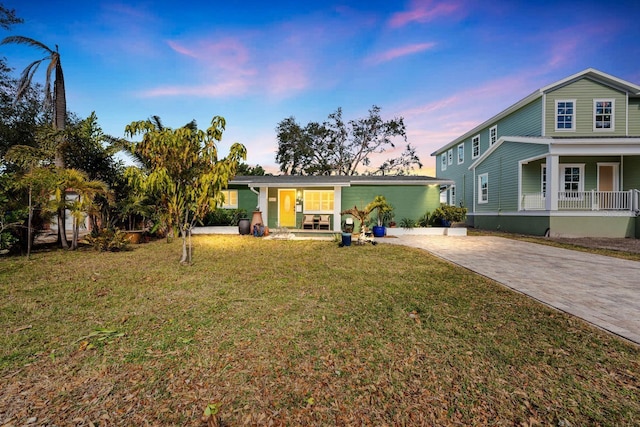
<point x="62" y="231"/>
<point x="29" y="229"/>
<point x="185" y="254"/>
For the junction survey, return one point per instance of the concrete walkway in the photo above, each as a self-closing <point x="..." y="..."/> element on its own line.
<point x="602" y="290"/>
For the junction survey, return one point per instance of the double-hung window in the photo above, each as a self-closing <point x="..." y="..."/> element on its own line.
<point x="230" y="199"/>
<point x="443" y="162"/>
<point x="565" y="115"/>
<point x="475" y="146"/>
<point x="461" y="153"/>
<point x="452" y="195"/>
<point x="450" y="156"/>
<point x="572" y="181"/>
<point x="603" y="114"/>
<point x="493" y="135"/>
<point x="483" y="188"/>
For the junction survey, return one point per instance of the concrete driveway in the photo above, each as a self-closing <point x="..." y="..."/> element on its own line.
<point x="602" y="290"/>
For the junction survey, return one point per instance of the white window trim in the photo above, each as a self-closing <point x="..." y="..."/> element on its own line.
<point x="573" y="116"/>
<point x="475" y="140"/>
<point x="543" y="178"/>
<point x="493" y="135"/>
<point x="480" y="178"/>
<point x="450" y="156"/>
<point x="318" y="211"/>
<point x="461" y="153"/>
<point x="613" y="115"/>
<point x="580" y="189"/>
<point x="443" y="162"/>
<point x="226" y="204"/>
<point x="452" y="195"/>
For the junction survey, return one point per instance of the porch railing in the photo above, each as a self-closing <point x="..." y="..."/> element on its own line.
<point x="586" y="200"/>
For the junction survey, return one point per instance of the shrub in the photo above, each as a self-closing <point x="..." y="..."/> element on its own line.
<point x="224" y="217"/>
<point x="450" y="213"/>
<point x="111" y="240"/>
<point x="423" y="221"/>
<point x="407" y="223"/>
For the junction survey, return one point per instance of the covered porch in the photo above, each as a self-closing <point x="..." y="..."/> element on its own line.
<point x="582" y="178"/>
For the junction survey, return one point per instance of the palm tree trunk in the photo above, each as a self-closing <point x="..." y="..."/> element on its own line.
<point x="29" y="221"/>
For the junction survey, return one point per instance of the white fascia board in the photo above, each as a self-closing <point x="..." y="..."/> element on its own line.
<point x="596" y="148"/>
<point x="520" y="139"/>
<point x="383" y="183"/>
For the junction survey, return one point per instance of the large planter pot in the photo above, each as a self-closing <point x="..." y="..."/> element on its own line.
<point x="134" y="237"/>
<point x="378" y="231"/>
<point x="244" y="226"/>
<point x="445" y="223"/>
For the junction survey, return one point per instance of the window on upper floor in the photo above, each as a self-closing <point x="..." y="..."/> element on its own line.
<point x="483" y="188"/>
<point x="603" y="110"/>
<point x="450" y="156"/>
<point x="452" y="195"/>
<point x="230" y="199"/>
<point x="565" y="114"/>
<point x="475" y="146"/>
<point x="493" y="135"/>
<point x="461" y="154"/>
<point x="443" y="162"/>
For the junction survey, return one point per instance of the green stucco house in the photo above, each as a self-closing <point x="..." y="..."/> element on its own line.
<point x="285" y="200"/>
<point x="564" y="161"/>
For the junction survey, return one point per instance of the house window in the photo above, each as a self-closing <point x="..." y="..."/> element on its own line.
<point x="493" y="135"/>
<point x="452" y="195"/>
<point x="603" y="114"/>
<point x="483" y="188"/>
<point x="230" y="199"/>
<point x="318" y="201"/>
<point x="572" y="184"/>
<point x="543" y="181"/>
<point x="450" y="156"/>
<point x="461" y="153"/>
<point x="475" y="146"/>
<point x="565" y="115"/>
<point x="443" y="163"/>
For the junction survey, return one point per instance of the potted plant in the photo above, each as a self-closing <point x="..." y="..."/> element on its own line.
<point x="448" y="214"/>
<point x="383" y="214"/>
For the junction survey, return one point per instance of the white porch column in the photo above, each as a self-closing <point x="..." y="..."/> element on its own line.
<point x="553" y="183"/>
<point x="264" y="204"/>
<point x="337" y="207"/>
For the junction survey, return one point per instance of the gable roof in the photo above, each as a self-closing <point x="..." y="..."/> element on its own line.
<point x="590" y="73"/>
<point x="334" y="180"/>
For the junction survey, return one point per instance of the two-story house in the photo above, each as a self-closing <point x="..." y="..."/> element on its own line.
<point x="564" y="161"/>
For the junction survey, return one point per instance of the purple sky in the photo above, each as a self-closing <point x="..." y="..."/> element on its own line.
<point x="445" y="66"/>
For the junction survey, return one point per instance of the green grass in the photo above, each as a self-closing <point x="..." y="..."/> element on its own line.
<point x="294" y="333"/>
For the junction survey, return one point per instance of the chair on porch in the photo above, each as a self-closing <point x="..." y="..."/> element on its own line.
<point x="307" y="222"/>
<point x="324" y="223"/>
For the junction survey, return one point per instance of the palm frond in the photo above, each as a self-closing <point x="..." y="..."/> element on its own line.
<point x="26" y="77"/>
<point x="26" y="40"/>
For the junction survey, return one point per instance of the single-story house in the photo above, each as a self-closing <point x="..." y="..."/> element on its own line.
<point x="285" y="200"/>
<point x="563" y="161"/>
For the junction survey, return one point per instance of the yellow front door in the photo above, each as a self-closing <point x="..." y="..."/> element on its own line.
<point x="287" y="208"/>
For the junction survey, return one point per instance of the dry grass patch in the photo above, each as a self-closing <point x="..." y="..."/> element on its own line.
<point x="294" y="333"/>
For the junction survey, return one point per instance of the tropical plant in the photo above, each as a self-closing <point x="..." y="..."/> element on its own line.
<point x="407" y="223"/>
<point x="184" y="167"/>
<point x="56" y="99"/>
<point x="108" y="239"/>
<point x="450" y="213"/>
<point x="383" y="209"/>
<point x="423" y="221"/>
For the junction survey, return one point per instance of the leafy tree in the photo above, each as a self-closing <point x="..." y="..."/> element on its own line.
<point x="8" y="18"/>
<point x="338" y="148"/>
<point x="246" y="170"/>
<point x="184" y="166"/>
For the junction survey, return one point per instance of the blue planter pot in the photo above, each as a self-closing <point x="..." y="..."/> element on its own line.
<point x="445" y="223"/>
<point x="378" y="231"/>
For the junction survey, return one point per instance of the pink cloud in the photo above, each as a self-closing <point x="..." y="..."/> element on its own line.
<point x="226" y="88"/>
<point x="422" y="11"/>
<point x="286" y="77"/>
<point x="400" y="52"/>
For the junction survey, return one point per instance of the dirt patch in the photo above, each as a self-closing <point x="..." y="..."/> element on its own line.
<point x="623" y="245"/>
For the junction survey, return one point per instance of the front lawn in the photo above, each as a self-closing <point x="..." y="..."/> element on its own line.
<point x="294" y="333"/>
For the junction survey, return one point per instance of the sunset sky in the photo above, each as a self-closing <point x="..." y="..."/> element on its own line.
<point x="445" y="66"/>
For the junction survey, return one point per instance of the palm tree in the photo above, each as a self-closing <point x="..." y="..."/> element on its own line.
<point x="55" y="98"/>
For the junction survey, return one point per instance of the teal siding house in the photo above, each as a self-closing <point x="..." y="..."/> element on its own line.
<point x="564" y="161"/>
<point x="284" y="201"/>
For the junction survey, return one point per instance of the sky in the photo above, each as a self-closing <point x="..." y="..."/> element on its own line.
<point x="443" y="66"/>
